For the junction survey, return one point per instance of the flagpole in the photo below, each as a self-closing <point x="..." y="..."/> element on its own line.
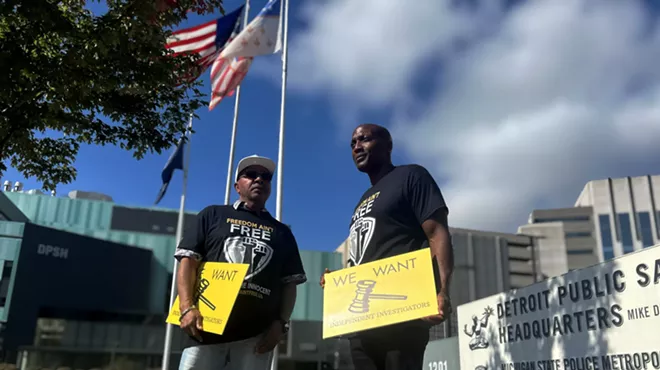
<point x="167" y="351"/>
<point x="284" y="11"/>
<point x="234" y="126"/>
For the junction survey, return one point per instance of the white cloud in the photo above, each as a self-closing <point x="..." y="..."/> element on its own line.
<point x="559" y="93"/>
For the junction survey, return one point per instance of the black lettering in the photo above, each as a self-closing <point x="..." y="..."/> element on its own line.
<point x="602" y="318"/>
<point x="617" y="319"/>
<point x="500" y="311"/>
<point x="600" y="292"/>
<point x="587" y="293"/>
<point x="619" y="284"/>
<point x="589" y="317"/>
<point x="644" y="278"/>
<point x="561" y="293"/>
<point x="523" y="305"/>
<point x="578" y="319"/>
<point x="224" y="275"/>
<point x="568" y="325"/>
<point x="556" y="326"/>
<point x="515" y="307"/>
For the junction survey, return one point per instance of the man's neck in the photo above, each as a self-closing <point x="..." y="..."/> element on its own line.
<point x="380" y="173"/>
<point x="252" y="206"/>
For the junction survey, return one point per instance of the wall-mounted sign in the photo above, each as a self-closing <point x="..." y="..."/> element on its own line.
<point x="53" y="251"/>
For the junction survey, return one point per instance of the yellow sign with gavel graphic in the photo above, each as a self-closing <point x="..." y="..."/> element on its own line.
<point x="217" y="287"/>
<point x="379" y="293"/>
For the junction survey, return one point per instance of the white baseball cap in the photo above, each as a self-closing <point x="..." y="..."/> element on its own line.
<point x="255" y="160"/>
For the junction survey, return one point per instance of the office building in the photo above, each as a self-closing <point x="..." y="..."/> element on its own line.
<point x="610" y="218"/>
<point x="566" y="239"/>
<point x="85" y="284"/>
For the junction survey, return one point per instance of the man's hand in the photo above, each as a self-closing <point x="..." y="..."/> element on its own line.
<point x="191" y="323"/>
<point x="444" y="310"/>
<point x="270" y="338"/>
<point x="322" y="282"/>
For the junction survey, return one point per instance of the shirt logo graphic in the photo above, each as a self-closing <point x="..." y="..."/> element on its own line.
<point x="361" y="232"/>
<point x="243" y="249"/>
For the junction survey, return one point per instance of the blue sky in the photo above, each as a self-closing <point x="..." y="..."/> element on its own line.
<point x="511" y="105"/>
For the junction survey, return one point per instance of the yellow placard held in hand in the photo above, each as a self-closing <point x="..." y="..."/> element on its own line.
<point x="217" y="285"/>
<point x="379" y="293"/>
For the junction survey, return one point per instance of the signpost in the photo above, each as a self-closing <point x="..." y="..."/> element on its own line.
<point x="603" y="317"/>
<point x="379" y="293"/>
<point x="218" y="285"/>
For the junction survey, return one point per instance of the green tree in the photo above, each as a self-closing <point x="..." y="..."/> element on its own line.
<point x="71" y="77"/>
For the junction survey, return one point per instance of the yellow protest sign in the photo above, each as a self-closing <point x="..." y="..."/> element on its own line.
<point x="379" y="293"/>
<point x="218" y="285"/>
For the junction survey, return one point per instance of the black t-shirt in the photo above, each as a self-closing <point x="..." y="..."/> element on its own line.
<point x="388" y="218"/>
<point x="237" y="235"/>
<point x="388" y="221"/>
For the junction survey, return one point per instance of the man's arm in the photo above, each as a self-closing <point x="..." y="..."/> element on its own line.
<point x="429" y="207"/>
<point x="185" y="282"/>
<point x="289" y="294"/>
<point x="437" y="232"/>
<point x="190" y="252"/>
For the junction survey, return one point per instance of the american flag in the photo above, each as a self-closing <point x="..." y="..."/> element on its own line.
<point x="206" y="40"/>
<point x="260" y="37"/>
<point x="225" y="78"/>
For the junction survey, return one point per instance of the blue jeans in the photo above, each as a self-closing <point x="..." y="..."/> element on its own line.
<point x="238" y="355"/>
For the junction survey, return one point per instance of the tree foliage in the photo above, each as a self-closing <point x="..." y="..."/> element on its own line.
<point x="71" y="77"/>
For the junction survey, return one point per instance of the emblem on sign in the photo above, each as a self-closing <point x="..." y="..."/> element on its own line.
<point x="477" y="332"/>
<point x="361" y="233"/>
<point x="364" y="294"/>
<point x="254" y="252"/>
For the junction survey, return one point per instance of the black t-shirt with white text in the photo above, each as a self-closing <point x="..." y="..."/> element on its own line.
<point x="388" y="218"/>
<point x="235" y="234"/>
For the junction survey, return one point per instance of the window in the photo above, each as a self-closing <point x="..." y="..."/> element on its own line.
<point x="606" y="236"/>
<point x="4" y="282"/>
<point x="645" y="228"/>
<point x="561" y="219"/>
<point x="626" y="232"/>
<point x="578" y="234"/>
<point x="6" y="270"/>
<point x="577" y="252"/>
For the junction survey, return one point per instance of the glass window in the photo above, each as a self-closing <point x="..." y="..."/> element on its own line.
<point x="6" y="270"/>
<point x="561" y="219"/>
<point x="626" y="232"/>
<point x="645" y="228"/>
<point x="579" y="251"/>
<point x="4" y="282"/>
<point x="606" y="236"/>
<point x="578" y="234"/>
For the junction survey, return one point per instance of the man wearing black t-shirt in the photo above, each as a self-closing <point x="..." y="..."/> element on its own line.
<point x="241" y="233"/>
<point x="403" y="211"/>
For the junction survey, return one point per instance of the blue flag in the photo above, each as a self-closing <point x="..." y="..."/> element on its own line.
<point x="175" y="162"/>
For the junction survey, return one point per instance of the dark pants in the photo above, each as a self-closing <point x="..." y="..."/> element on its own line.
<point x="394" y="347"/>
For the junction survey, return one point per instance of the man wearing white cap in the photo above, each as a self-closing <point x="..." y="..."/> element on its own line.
<point x="241" y="233"/>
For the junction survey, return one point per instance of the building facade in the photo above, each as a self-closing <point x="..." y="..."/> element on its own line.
<point x="566" y="238"/>
<point x="610" y="218"/>
<point x="85" y="283"/>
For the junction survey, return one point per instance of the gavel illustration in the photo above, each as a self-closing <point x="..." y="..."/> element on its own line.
<point x="364" y="293"/>
<point x="203" y="285"/>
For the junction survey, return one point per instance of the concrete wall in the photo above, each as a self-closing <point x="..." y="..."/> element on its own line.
<point x="551" y="247"/>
